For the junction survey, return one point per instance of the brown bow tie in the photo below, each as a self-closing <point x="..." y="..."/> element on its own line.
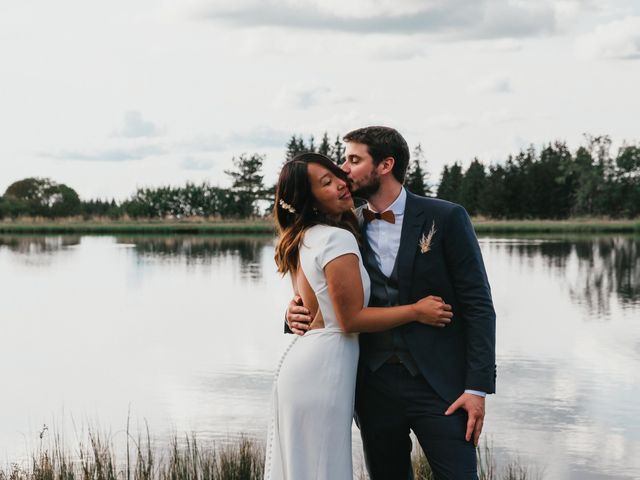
<point x="370" y="215"/>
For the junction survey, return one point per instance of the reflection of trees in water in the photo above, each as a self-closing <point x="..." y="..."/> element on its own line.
<point x="202" y="249"/>
<point x="38" y="244"/>
<point x="606" y="268"/>
<point x="37" y="250"/>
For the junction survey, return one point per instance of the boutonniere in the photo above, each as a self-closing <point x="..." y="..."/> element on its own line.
<point x="425" y="240"/>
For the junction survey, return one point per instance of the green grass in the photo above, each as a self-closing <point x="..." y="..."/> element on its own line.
<point x="576" y="225"/>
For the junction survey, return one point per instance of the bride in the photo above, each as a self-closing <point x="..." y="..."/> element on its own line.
<point x="313" y="396"/>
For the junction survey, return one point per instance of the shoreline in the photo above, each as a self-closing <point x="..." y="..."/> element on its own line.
<point x="185" y="458"/>
<point x="266" y="227"/>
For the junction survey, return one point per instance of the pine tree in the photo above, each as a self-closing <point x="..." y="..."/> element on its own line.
<point x="325" y="146"/>
<point x="599" y="147"/>
<point x="337" y="151"/>
<point x="312" y="145"/>
<point x="292" y="148"/>
<point x="295" y="146"/>
<point x="450" y="183"/>
<point x="301" y="146"/>
<point x="627" y="192"/>
<point x="416" y="179"/>
<point x="247" y="183"/>
<point x="443" y="186"/>
<point x="473" y="183"/>
<point x="553" y="190"/>
<point x="587" y="181"/>
<point x="518" y="188"/>
<point x="493" y="197"/>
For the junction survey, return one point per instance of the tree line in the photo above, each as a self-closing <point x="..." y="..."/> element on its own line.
<point x="551" y="183"/>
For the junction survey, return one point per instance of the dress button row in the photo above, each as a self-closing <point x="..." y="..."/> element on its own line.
<point x="268" y="460"/>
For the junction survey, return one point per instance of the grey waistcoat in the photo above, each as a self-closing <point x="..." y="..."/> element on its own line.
<point x="377" y="348"/>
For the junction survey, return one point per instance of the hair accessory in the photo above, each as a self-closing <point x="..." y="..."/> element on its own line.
<point x="286" y="206"/>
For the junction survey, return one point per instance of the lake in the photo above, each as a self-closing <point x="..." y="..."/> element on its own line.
<point x="184" y="332"/>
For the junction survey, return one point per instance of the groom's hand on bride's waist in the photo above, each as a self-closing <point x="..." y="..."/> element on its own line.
<point x="298" y="317"/>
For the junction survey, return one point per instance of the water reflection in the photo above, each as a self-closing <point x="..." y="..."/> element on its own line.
<point x="203" y="250"/>
<point x="38" y="244"/>
<point x="567" y="423"/>
<point x="597" y="271"/>
<point x="186" y="331"/>
<point x="38" y="250"/>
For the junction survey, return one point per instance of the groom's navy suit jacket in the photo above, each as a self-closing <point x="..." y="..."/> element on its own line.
<point x="461" y="355"/>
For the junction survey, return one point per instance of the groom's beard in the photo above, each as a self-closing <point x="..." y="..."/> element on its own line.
<point x="366" y="189"/>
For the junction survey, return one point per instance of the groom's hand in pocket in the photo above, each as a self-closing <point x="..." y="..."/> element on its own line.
<point x="298" y="317"/>
<point x="474" y="405"/>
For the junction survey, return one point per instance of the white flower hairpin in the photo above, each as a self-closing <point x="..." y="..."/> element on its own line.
<point x="425" y="240"/>
<point x="286" y="206"/>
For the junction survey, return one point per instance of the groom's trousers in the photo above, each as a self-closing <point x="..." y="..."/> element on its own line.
<point x="389" y="403"/>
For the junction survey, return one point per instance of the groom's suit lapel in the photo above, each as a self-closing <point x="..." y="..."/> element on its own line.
<point x="412" y="226"/>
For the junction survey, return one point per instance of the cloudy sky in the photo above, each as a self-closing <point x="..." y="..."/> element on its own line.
<point x="109" y="96"/>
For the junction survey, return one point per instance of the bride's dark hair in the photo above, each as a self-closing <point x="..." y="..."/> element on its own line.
<point x="295" y="211"/>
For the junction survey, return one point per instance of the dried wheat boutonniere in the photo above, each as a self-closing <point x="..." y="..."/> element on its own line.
<point x="425" y="240"/>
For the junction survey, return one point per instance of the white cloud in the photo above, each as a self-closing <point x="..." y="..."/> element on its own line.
<point x="501" y="45"/>
<point x="122" y="154"/>
<point x="457" y="18"/>
<point x="500" y="116"/>
<point x="619" y="39"/>
<point x="258" y="137"/>
<point x="400" y="51"/>
<point x="489" y="118"/>
<point x="304" y="98"/>
<point x="495" y="84"/>
<point x="446" y="121"/>
<point x="135" y="126"/>
<point x="191" y="163"/>
<point x="310" y="97"/>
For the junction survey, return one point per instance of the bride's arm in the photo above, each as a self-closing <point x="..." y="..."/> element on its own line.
<point x="294" y="284"/>
<point x="347" y="296"/>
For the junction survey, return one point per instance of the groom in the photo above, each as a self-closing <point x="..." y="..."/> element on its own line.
<point x="417" y="377"/>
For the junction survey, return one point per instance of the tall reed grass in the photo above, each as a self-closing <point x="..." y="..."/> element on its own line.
<point x="514" y="469"/>
<point x="182" y="460"/>
<point x="186" y="459"/>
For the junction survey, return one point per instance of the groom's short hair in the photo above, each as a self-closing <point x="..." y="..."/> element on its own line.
<point x="383" y="142"/>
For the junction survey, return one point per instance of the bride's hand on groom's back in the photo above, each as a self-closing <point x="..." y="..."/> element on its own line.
<point x="298" y="317"/>
<point x="433" y="311"/>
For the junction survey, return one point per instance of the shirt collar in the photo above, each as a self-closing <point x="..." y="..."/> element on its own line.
<point x="397" y="207"/>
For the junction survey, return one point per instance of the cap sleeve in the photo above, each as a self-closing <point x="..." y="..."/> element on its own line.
<point x="339" y="242"/>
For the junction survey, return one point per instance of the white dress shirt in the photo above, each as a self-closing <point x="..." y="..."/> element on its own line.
<point x="384" y="239"/>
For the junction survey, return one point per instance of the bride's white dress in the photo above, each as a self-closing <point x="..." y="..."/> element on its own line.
<point x="312" y="409"/>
